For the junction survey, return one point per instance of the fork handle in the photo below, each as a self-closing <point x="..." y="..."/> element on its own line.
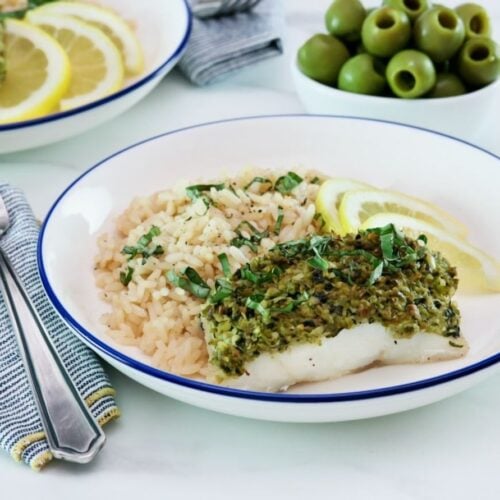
<point x="72" y="432"/>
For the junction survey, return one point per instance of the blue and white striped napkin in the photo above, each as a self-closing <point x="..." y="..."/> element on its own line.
<point x="21" y="432"/>
<point x="220" y="45"/>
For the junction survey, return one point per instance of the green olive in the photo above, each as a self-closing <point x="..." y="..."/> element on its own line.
<point x="447" y="85"/>
<point x="362" y="74"/>
<point x="344" y="19"/>
<point x="411" y="74"/>
<point x="321" y="58"/>
<point x="475" y="19"/>
<point x="386" y="31"/>
<point x="479" y="61"/>
<point x="439" y="32"/>
<point x="412" y="8"/>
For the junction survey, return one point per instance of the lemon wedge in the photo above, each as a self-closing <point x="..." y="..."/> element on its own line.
<point x="38" y="73"/>
<point x="112" y="25"/>
<point x="328" y="201"/>
<point x="96" y="64"/>
<point x="477" y="271"/>
<point x="358" y="206"/>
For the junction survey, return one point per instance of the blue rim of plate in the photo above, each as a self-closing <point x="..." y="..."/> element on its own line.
<point x="98" y="344"/>
<point x="116" y="95"/>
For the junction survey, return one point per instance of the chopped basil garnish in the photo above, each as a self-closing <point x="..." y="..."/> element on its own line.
<point x="262" y="277"/>
<point x="376" y="273"/>
<point x="254" y="302"/>
<point x="304" y="297"/>
<point x="258" y="234"/>
<point x="396" y="252"/>
<point x="317" y="246"/>
<point x="247" y="274"/>
<point x="318" y="263"/>
<point x="251" y="242"/>
<point x="126" y="276"/>
<point x="316" y="180"/>
<point x="231" y="188"/>
<point x="279" y="221"/>
<point x="387" y="244"/>
<point x="287" y="183"/>
<point x="240" y="241"/>
<point x="191" y="282"/>
<point x="260" y="180"/>
<point x="293" y="248"/>
<point x="143" y="246"/>
<point x="372" y="259"/>
<point x="196" y="191"/>
<point x="222" y="290"/>
<point x="224" y="262"/>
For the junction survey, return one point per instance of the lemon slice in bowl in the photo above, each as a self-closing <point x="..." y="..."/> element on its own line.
<point x="358" y="206"/>
<point x="96" y="63"/>
<point x="38" y="73"/>
<point x="477" y="271"/>
<point x="120" y="33"/>
<point x="329" y="197"/>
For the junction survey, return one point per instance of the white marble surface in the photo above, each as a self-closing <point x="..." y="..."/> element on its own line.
<point x="450" y="450"/>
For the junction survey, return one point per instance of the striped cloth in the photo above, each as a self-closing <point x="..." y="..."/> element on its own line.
<point x="21" y="432"/>
<point x="221" y="45"/>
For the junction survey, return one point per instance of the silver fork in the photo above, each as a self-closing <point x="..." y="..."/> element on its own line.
<point x="211" y="8"/>
<point x="72" y="432"/>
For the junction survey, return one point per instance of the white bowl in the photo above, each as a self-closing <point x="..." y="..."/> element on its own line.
<point x="458" y="176"/>
<point x="456" y="116"/>
<point x="163" y="28"/>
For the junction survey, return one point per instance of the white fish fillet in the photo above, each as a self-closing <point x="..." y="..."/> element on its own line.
<point x="351" y="350"/>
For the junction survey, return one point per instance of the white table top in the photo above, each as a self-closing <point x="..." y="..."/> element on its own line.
<point x="162" y="447"/>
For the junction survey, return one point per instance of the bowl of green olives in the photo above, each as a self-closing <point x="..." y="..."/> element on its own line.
<point x="410" y="61"/>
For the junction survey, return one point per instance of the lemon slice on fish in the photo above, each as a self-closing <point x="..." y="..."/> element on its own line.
<point x="477" y="271"/>
<point x="329" y="197"/>
<point x="120" y="33"/>
<point x="38" y="73"/>
<point x="358" y="206"/>
<point x="96" y="63"/>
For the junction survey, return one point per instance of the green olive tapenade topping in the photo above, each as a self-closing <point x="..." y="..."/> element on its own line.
<point x="306" y="290"/>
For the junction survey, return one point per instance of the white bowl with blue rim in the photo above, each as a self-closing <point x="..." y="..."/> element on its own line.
<point x="163" y="30"/>
<point x="458" y="176"/>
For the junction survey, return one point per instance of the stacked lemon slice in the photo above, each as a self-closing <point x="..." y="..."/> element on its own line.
<point x="64" y="55"/>
<point x="348" y="206"/>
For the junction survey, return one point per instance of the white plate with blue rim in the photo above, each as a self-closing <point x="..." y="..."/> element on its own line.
<point x="458" y="176"/>
<point x="163" y="30"/>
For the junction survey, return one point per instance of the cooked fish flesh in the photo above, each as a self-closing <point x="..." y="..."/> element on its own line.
<point x="349" y="351"/>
